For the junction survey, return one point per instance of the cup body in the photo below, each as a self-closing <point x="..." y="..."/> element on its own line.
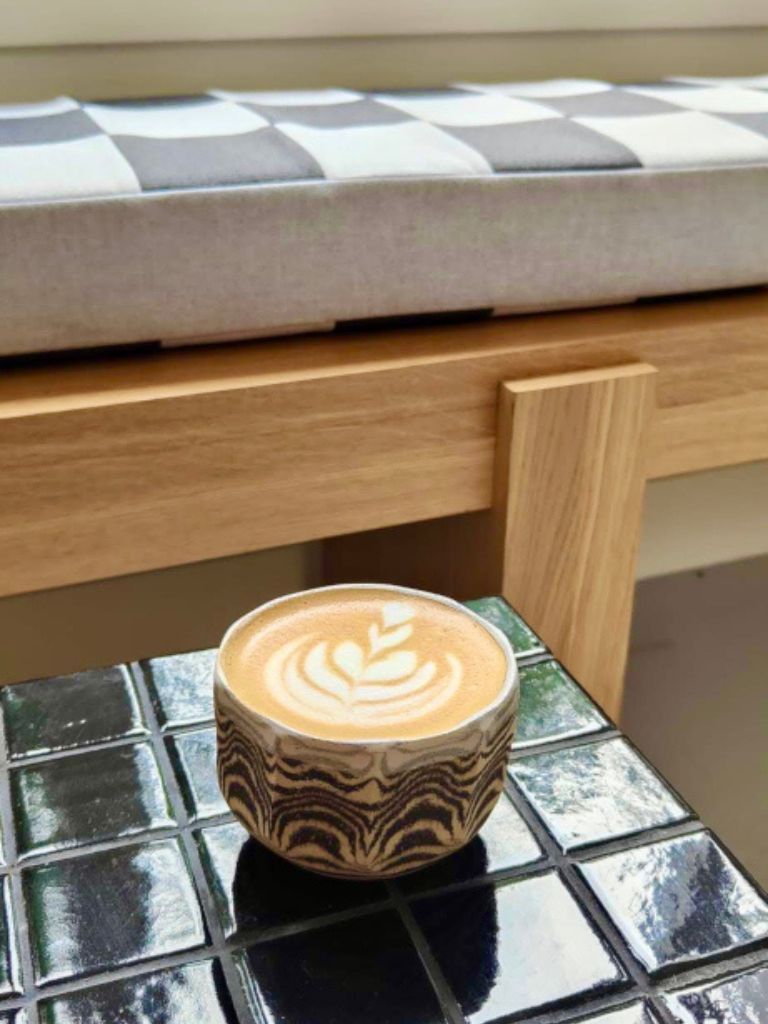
<point x="364" y="808"/>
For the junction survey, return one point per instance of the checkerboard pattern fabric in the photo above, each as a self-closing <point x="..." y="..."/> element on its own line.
<point x="66" y="149"/>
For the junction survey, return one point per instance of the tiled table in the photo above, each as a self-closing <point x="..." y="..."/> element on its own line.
<point x="129" y="894"/>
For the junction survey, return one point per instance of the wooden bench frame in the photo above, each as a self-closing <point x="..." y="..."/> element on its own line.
<point x="506" y="455"/>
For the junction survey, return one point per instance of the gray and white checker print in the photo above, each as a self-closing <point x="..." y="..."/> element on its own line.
<point x="66" y="149"/>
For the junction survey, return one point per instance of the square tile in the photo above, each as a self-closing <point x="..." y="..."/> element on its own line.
<point x="105" y="910"/>
<point x="504" y="842"/>
<point x="181" y="687"/>
<point x="455" y="108"/>
<point x="73" y="168"/>
<point x="385" y="151"/>
<point x="59" y="713"/>
<point x="177" y="995"/>
<point x="35" y="131"/>
<point x="188" y="117"/>
<point x="685" y="139"/>
<point x="88" y="798"/>
<point x="496" y="610"/>
<point x="553" y="706"/>
<point x="14" y="1017"/>
<point x="364" y="970"/>
<point x="636" y="1013"/>
<point x="265" y="154"/>
<point x="678" y="901"/>
<point x="291" y="97"/>
<point x="739" y="999"/>
<point x="255" y="889"/>
<point x="515" y="948"/>
<point x="10" y="977"/>
<point x="193" y="755"/>
<point x="558" y="145"/>
<point x="542" y="90"/>
<point x="595" y="792"/>
<point x="721" y="99"/>
<point x="362" y="111"/>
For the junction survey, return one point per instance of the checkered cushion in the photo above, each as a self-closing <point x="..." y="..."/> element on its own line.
<point x="65" y="148"/>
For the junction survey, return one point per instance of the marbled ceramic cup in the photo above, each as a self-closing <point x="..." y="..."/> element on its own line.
<point x="363" y="808"/>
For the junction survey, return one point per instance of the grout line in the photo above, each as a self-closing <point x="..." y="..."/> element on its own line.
<point x="552" y="746"/>
<point x="253" y="936"/>
<point x="442" y="989"/>
<point x="19" y="920"/>
<point x="87" y="748"/>
<point x="191" y="852"/>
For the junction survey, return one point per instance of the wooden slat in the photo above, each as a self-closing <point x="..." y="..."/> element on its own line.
<point x="570" y="478"/>
<point x="119" y="465"/>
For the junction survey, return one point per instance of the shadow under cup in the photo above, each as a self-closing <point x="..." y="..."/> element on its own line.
<point x="363" y="808"/>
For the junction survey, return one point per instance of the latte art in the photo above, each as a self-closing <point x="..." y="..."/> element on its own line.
<point x="345" y="683"/>
<point x="364" y="663"/>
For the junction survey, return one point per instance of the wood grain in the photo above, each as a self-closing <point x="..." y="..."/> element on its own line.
<point x="118" y="465"/>
<point x="570" y="478"/>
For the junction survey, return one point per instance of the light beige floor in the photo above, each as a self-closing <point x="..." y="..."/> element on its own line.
<point x="697" y="696"/>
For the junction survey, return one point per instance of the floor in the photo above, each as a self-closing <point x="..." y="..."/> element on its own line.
<point x="697" y="696"/>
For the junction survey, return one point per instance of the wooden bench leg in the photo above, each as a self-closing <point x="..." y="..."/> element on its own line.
<point x="561" y="539"/>
<point x="570" y="479"/>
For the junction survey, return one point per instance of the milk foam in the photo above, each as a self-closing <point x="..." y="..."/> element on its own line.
<point x="357" y="663"/>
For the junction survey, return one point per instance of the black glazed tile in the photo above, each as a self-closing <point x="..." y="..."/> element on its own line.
<point x="363" y="970"/>
<point x="108" y="909"/>
<point x="70" y="711"/>
<point x="740" y="999"/>
<point x="194" y="760"/>
<point x="181" y="687"/>
<point x="14" y="1017"/>
<point x="516" y="947"/>
<point x="504" y="841"/>
<point x="496" y="610"/>
<point x="254" y="888"/>
<point x="678" y="900"/>
<point x="596" y="792"/>
<point x="176" y="995"/>
<point x="553" y="706"/>
<point x="9" y="962"/>
<point x="88" y="798"/>
<point x="635" y="1013"/>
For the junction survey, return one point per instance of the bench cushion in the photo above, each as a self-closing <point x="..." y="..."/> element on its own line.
<point x="234" y="214"/>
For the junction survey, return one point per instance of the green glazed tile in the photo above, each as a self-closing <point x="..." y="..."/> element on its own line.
<point x="552" y="706"/>
<point x="88" y="798"/>
<point x="496" y="611"/>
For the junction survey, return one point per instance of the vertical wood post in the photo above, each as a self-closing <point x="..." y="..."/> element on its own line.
<point x="570" y="480"/>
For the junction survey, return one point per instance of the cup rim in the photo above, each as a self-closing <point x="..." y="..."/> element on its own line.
<point x="510" y="685"/>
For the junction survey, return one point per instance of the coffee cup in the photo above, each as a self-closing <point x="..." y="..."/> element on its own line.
<point x="363" y="730"/>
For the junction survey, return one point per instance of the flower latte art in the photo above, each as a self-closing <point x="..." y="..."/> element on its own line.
<point x="365" y="663"/>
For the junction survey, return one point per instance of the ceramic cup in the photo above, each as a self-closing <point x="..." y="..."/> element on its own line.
<point x="363" y="808"/>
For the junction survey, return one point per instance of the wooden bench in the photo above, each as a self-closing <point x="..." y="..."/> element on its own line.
<point x="505" y="456"/>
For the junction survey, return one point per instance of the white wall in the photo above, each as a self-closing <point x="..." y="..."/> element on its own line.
<point x="46" y="22"/>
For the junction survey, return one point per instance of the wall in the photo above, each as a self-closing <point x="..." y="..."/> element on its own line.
<point x="90" y="71"/>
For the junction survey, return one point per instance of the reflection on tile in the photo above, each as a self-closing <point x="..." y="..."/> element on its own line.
<point x="595" y="792"/>
<point x="88" y="798"/>
<point x="742" y="999"/>
<point x="177" y="995"/>
<point x="255" y="889"/>
<point x="637" y="1013"/>
<point x="498" y="612"/>
<point x="9" y="962"/>
<point x="70" y="711"/>
<point x="520" y="946"/>
<point x="112" y="908"/>
<point x="181" y="687"/>
<point x="363" y="970"/>
<point x="504" y="841"/>
<point x="14" y="1017"/>
<point x="678" y="900"/>
<point x="553" y="706"/>
<point x="194" y="760"/>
